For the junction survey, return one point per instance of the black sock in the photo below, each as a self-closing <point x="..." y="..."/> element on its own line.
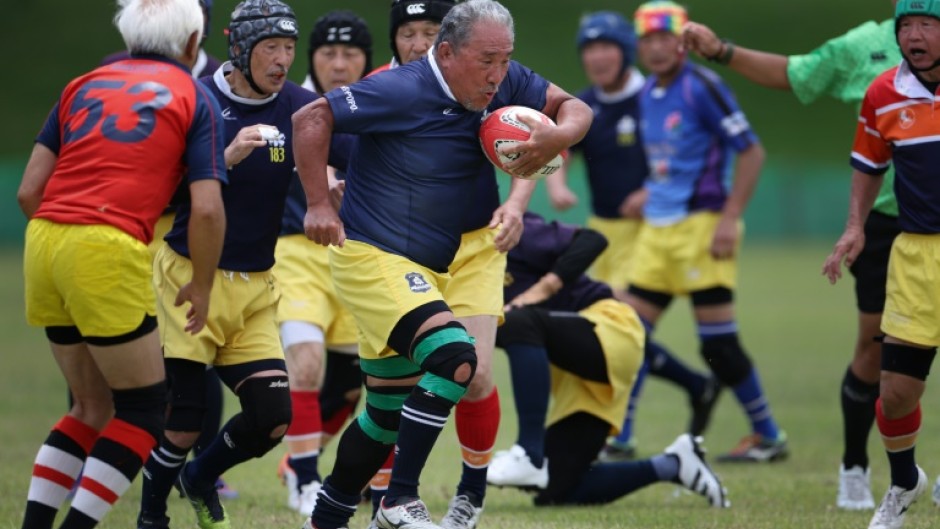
<point x="212" y="420"/>
<point x="858" y="415"/>
<point x="423" y="416"/>
<point x="664" y="365"/>
<point x="160" y="473"/>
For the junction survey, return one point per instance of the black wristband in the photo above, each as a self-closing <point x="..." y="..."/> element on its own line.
<point x="724" y="54"/>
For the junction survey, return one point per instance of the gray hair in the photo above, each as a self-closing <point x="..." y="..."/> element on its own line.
<point x="459" y="22"/>
<point x="162" y="27"/>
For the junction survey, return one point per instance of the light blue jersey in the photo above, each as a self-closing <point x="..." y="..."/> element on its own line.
<point x="691" y="130"/>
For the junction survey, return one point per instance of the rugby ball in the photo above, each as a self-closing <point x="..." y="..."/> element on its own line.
<point x="503" y="128"/>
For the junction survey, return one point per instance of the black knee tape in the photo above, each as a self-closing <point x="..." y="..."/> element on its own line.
<point x="187" y="381"/>
<point x="522" y="326"/>
<point x="448" y="357"/>
<point x="143" y="407"/>
<point x="711" y="296"/>
<point x="385" y="419"/>
<point x="148" y="325"/>
<point x="65" y="335"/>
<point x="266" y="406"/>
<point x="727" y="359"/>
<point x="660" y="299"/>
<point x="907" y="360"/>
<point x="401" y="337"/>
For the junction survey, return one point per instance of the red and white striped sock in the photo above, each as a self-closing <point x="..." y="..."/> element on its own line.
<point x="58" y="464"/>
<point x="112" y="465"/>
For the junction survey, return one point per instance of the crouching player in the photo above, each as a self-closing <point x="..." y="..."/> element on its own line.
<point x="568" y="338"/>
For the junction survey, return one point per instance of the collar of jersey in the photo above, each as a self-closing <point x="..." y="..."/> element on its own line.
<point x="909" y="86"/>
<point x="222" y="84"/>
<point x="632" y="87"/>
<point x="437" y="73"/>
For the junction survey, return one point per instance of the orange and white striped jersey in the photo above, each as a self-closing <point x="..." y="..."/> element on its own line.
<point x="900" y="124"/>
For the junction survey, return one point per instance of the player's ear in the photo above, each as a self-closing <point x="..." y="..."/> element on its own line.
<point x="191" y="52"/>
<point x="444" y="50"/>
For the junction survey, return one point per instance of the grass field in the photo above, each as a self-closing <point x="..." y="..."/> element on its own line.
<point x="799" y="330"/>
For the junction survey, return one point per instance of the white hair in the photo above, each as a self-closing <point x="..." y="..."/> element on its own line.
<point x="459" y="21"/>
<point x="162" y="27"/>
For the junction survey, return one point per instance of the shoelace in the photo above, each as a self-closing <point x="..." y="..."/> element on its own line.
<point x="462" y="510"/>
<point x="418" y="512"/>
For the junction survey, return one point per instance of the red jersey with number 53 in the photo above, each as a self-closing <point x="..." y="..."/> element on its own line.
<point x="125" y="134"/>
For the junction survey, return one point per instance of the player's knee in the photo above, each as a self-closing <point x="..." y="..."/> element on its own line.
<point x="447" y="351"/>
<point x="265" y="415"/>
<point x="727" y="359"/>
<point x="907" y="360"/>
<point x="142" y="407"/>
<point x="187" y="397"/>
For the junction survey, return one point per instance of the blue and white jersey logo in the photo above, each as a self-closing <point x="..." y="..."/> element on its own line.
<point x="417" y="283"/>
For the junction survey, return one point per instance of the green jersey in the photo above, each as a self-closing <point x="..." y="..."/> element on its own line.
<point x="842" y="68"/>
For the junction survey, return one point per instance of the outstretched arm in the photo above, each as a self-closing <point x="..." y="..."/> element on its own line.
<point x="764" y="68"/>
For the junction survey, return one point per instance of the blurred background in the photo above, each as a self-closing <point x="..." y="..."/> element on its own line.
<point x="804" y="188"/>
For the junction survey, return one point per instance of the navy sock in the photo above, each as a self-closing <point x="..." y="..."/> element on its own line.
<point x="664" y="365"/>
<point x="334" y="508"/>
<point x="160" y="473"/>
<point x="752" y="399"/>
<point x="903" y="468"/>
<point x="306" y="468"/>
<point x="531" y="384"/>
<point x="222" y="454"/>
<point x="423" y="416"/>
<point x="606" y="482"/>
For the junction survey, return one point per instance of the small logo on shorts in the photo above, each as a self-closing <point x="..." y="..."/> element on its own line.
<point x="416" y="282"/>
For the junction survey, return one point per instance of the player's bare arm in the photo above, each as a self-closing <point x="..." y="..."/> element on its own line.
<point x="573" y="119"/>
<point x="206" y="235"/>
<point x="545" y="288"/>
<point x="632" y="206"/>
<point x="508" y="216"/>
<point x="248" y="139"/>
<point x="560" y="195"/>
<point x="763" y="68"/>
<point x="864" y="190"/>
<point x="35" y="177"/>
<point x="313" y="127"/>
<point x="746" y="173"/>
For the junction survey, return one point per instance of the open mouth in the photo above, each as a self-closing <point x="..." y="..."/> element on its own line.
<point x="917" y="52"/>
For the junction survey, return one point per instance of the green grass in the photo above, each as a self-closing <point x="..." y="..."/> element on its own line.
<point x="799" y="330"/>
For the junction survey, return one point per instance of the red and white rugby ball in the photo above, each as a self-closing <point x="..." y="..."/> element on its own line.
<point x="503" y="128"/>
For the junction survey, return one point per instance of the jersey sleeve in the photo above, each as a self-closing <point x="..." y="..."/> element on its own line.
<point x="527" y="87"/>
<point x="51" y="135"/>
<point x="205" y="143"/>
<point x="720" y="113"/>
<point x="542" y="242"/>
<point x="375" y="105"/>
<point x="828" y="69"/>
<point x="871" y="154"/>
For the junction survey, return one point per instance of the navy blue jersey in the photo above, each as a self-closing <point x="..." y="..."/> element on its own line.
<point x="613" y="153"/>
<point x="254" y="198"/>
<point x="414" y="175"/>
<point x="535" y="255"/>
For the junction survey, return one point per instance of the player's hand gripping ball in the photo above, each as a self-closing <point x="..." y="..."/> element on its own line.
<point x="503" y="128"/>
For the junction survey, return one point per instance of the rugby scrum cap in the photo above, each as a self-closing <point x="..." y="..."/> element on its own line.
<point x="927" y="8"/>
<point x="252" y="22"/>
<point x="608" y="26"/>
<point x="407" y="10"/>
<point x="659" y="16"/>
<point x="340" y="27"/>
